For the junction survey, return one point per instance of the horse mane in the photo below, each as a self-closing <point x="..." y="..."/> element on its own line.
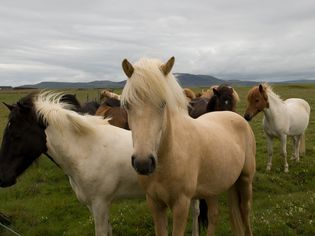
<point x="112" y="102"/>
<point x="147" y="75"/>
<point x="53" y="111"/>
<point x="267" y="88"/>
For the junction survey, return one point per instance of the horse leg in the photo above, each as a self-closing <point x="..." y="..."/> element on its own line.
<point x="180" y="210"/>
<point x="235" y="211"/>
<point x="270" y="152"/>
<point x="213" y="213"/>
<point x="296" y="147"/>
<point x="100" y="211"/>
<point x="283" y="140"/>
<point x="244" y="186"/>
<point x="159" y="213"/>
<point x="195" y="213"/>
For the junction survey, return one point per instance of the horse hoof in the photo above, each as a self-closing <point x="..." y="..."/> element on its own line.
<point x="268" y="168"/>
<point x="286" y="170"/>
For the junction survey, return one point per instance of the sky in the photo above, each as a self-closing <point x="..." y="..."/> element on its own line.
<point x="86" y="40"/>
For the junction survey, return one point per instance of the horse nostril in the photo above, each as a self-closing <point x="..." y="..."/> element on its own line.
<point x="247" y="117"/>
<point x="133" y="158"/>
<point x="152" y="160"/>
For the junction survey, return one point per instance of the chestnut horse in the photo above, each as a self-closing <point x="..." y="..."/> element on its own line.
<point x="111" y="109"/>
<point x="281" y="119"/>
<point x="179" y="158"/>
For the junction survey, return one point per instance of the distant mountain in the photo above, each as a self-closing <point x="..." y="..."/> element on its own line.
<point x="185" y="80"/>
<point x="61" y="85"/>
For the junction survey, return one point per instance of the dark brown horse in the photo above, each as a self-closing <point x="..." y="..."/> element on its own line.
<point x="87" y="108"/>
<point x="224" y="98"/>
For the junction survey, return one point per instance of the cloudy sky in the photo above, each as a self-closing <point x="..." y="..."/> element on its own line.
<point x="86" y="40"/>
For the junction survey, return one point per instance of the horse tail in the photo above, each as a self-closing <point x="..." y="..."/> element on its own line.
<point x="235" y="211"/>
<point x="302" y="145"/>
<point x="203" y="214"/>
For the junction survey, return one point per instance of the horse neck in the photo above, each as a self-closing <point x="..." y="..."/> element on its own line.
<point x="172" y="121"/>
<point x="276" y="106"/>
<point x="65" y="149"/>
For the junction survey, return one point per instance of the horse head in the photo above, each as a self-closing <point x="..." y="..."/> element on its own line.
<point x="151" y="90"/>
<point x="257" y="101"/>
<point x="223" y="99"/>
<point x="23" y="141"/>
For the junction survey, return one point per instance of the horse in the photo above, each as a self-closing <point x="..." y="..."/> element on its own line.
<point x="111" y="109"/>
<point x="189" y="94"/>
<point x="178" y="158"/>
<point x="105" y="94"/>
<point x="282" y="118"/>
<point x="222" y="98"/>
<point x="92" y="153"/>
<point x="87" y="108"/>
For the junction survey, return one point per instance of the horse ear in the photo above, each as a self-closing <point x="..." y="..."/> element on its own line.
<point x="261" y="88"/>
<point x="167" y="67"/>
<point x="127" y="67"/>
<point x="215" y="91"/>
<point x="10" y="107"/>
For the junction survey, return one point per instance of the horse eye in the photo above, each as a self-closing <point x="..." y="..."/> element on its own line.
<point x="257" y="100"/>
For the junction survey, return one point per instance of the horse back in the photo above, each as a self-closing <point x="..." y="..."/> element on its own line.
<point x="298" y="113"/>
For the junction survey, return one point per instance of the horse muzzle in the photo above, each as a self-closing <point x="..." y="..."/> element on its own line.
<point x="143" y="166"/>
<point x="247" y="117"/>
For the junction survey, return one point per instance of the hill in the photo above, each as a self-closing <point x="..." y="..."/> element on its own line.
<point x="185" y="80"/>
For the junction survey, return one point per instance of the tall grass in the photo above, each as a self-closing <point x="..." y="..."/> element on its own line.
<point x="43" y="203"/>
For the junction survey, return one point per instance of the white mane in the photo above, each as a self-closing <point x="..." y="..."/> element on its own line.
<point x="148" y="84"/>
<point x="271" y="93"/>
<point x="56" y="113"/>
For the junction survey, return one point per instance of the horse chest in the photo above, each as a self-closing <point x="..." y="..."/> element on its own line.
<point x="275" y="127"/>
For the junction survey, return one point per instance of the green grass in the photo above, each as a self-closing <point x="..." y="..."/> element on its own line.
<point x="43" y="203"/>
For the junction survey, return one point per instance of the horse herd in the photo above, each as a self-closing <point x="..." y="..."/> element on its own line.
<point x="177" y="152"/>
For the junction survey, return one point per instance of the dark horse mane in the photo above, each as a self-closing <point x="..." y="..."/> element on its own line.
<point x="88" y="107"/>
<point x="112" y="102"/>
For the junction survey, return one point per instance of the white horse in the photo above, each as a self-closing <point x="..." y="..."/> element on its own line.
<point x="281" y="119"/>
<point x="179" y="158"/>
<point x="93" y="154"/>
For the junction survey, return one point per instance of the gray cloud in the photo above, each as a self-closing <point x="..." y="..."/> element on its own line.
<point x="78" y="40"/>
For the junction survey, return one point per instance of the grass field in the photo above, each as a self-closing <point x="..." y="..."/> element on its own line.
<point x="43" y="203"/>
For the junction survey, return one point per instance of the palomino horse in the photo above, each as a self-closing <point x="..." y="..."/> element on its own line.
<point x="189" y="94"/>
<point x="179" y="158"/>
<point x="281" y="119"/>
<point x="93" y="154"/>
<point x="105" y="94"/>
